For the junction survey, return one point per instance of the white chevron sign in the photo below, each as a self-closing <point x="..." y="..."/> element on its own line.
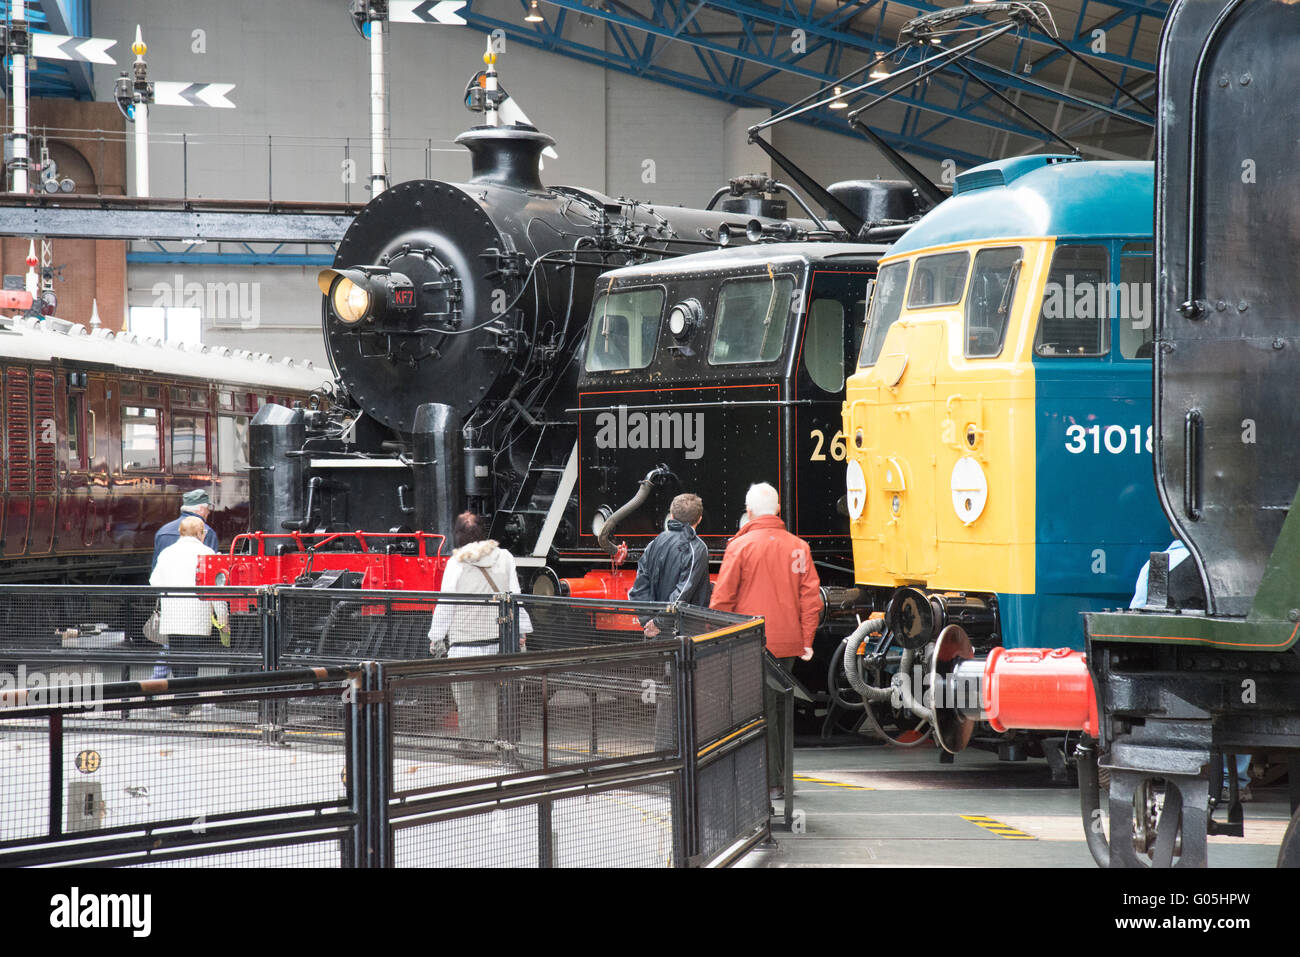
<point x="169" y="93"/>
<point x="425" y="11"/>
<point x="53" y="46"/>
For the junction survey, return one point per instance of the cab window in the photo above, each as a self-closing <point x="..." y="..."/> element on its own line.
<point x="751" y="321"/>
<point x="988" y="305"/>
<point x="938" y="280"/>
<point x="624" y="329"/>
<point x="886" y="304"/>
<point x="835" y="324"/>
<point x="1135" y="305"/>
<point x="1075" y="318"/>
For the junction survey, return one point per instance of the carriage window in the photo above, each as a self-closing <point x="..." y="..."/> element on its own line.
<point x="141" y="447"/>
<point x="886" y="304"/>
<point x="988" y="305"/>
<point x="938" y="280"/>
<point x="76" y="403"/>
<point x="624" y="329"/>
<point x="189" y="442"/>
<point x="1134" y="302"/>
<point x="232" y="443"/>
<point x="1075" y="318"/>
<point x="751" y="320"/>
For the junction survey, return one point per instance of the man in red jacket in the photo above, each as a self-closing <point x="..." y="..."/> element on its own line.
<point x="769" y="572"/>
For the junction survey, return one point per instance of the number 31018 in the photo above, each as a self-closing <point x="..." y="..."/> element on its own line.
<point x="1109" y="438"/>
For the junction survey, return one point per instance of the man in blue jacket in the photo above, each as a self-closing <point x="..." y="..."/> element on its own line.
<point x="675" y="566"/>
<point x="194" y="502"/>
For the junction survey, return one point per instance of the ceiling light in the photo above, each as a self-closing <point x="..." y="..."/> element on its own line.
<point x="534" y="15"/>
<point x="838" y="103"/>
<point x="878" y="72"/>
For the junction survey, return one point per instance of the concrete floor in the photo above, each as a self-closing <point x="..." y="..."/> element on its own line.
<point x="885" y="807"/>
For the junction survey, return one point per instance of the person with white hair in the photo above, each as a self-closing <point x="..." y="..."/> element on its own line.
<point x="193" y="502"/>
<point x="185" y="621"/>
<point x="768" y="572"/>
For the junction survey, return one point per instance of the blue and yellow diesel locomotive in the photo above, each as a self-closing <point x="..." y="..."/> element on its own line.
<point x="999" y="425"/>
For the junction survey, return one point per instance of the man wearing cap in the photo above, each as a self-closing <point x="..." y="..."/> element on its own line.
<point x="195" y="502"/>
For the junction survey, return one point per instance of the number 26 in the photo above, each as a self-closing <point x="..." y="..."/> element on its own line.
<point x="839" y="450"/>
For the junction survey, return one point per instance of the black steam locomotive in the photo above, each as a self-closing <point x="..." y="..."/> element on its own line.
<point x="475" y="328"/>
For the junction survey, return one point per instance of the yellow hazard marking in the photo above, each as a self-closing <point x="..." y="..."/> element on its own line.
<point x="998" y="828"/>
<point x="805" y="779"/>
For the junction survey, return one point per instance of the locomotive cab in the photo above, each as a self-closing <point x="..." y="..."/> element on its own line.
<point x="712" y="372"/>
<point x="999" y="427"/>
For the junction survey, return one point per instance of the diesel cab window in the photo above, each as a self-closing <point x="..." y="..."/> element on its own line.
<point x="886" y="304"/>
<point x="1077" y="304"/>
<point x="938" y="280"/>
<point x="988" y="305"/>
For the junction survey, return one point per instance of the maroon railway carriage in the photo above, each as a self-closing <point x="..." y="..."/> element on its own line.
<point x="103" y="434"/>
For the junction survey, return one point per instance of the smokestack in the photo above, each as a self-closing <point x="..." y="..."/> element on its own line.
<point x="506" y="155"/>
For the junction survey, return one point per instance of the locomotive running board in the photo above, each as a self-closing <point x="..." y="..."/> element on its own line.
<point x="558" y="504"/>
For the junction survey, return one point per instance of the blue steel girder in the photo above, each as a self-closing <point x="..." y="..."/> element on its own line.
<point x="626" y="18"/>
<point x="732" y="91"/>
<point x="823" y="119"/>
<point x="70" y="18"/>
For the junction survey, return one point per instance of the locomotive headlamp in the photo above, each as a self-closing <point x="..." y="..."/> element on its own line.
<point x="683" y="318"/>
<point x="360" y="294"/>
<point x="348" y="293"/>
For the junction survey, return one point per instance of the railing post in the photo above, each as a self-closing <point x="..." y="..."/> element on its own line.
<point x="508" y="626"/>
<point x="56" y="773"/>
<point x="545" y="835"/>
<point x="687" y="747"/>
<point x="381" y="766"/>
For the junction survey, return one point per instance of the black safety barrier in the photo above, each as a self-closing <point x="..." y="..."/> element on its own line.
<point x="550" y="732"/>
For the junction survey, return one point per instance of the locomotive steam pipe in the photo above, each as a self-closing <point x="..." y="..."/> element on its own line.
<point x="654" y="477"/>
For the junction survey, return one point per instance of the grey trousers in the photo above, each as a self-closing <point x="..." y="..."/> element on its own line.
<point x="476" y="701"/>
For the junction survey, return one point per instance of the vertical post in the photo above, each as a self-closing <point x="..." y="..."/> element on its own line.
<point x="686" y="745"/>
<point x="141" y="94"/>
<point x="270" y="197"/>
<point x="545" y="834"/>
<point x="508" y="623"/>
<point x="56" y="773"/>
<point x="19" y="11"/>
<point x="347" y="178"/>
<point x="378" y="172"/>
<point x="185" y="166"/>
<point x="142" y="149"/>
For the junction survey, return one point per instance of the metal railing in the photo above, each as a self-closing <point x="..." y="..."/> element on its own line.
<point x="553" y="734"/>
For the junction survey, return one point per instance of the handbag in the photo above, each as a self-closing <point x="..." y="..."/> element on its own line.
<point x="153" y="627"/>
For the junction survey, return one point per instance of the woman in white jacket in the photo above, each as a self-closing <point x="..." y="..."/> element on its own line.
<point x="478" y="566"/>
<point x="185" y="622"/>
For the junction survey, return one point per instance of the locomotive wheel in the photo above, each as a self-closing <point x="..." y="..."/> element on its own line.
<point x="1157" y="823"/>
<point x="898" y="726"/>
